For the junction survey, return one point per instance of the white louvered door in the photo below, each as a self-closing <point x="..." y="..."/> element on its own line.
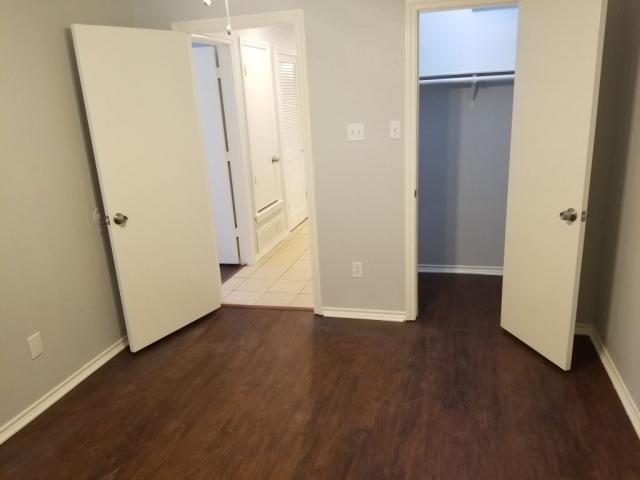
<point x="291" y="139"/>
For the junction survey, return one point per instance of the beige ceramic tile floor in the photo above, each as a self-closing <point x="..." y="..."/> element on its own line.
<point x="282" y="278"/>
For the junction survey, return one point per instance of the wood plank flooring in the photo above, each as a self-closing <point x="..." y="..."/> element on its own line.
<point x="273" y="394"/>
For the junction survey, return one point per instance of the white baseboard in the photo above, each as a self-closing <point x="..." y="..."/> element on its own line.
<point x="468" y="269"/>
<point x="31" y="412"/>
<point x="583" y="329"/>
<point x="362" y="314"/>
<point x="623" y="392"/>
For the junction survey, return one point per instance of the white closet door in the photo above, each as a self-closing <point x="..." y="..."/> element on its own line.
<point x="554" y="115"/>
<point x="140" y="98"/>
<point x="209" y="101"/>
<point x="259" y="105"/>
<point x="291" y="139"/>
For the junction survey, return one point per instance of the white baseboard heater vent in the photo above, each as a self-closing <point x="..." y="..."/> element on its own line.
<point x="270" y="232"/>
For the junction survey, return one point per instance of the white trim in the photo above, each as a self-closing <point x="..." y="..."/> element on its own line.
<point x="362" y="314"/>
<point x="621" y="388"/>
<point x="411" y="75"/>
<point x="468" y="269"/>
<point x="582" y="329"/>
<point x="269" y="210"/>
<point x="30" y="413"/>
<point x="295" y="18"/>
<point x="285" y="51"/>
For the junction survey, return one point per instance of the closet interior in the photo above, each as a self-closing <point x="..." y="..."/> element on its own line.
<point x="467" y="66"/>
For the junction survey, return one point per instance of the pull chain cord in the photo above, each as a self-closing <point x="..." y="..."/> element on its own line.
<point x="226" y="3"/>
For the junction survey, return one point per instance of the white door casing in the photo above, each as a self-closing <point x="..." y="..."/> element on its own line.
<point x="291" y="138"/>
<point x="554" y="115"/>
<point x="213" y="135"/>
<point x="141" y="105"/>
<point x="556" y="95"/>
<point x="260" y="114"/>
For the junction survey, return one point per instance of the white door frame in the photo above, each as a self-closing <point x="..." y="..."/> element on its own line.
<point x="412" y="11"/>
<point x="293" y="18"/>
<point x="242" y="198"/>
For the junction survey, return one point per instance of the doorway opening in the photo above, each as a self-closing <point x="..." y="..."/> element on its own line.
<point x="555" y="103"/>
<point x="256" y="150"/>
<point x="466" y="70"/>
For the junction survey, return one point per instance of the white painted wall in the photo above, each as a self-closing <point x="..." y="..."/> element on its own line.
<point x="56" y="271"/>
<point x="468" y="41"/>
<point x="281" y="36"/>
<point x="355" y="59"/>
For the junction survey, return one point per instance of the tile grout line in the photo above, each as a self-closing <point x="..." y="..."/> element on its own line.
<point x="273" y="253"/>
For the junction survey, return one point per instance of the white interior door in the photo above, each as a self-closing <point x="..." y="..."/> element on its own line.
<point x="215" y="146"/>
<point x="555" y="101"/>
<point x="291" y="139"/>
<point x="140" y="99"/>
<point x="259" y="105"/>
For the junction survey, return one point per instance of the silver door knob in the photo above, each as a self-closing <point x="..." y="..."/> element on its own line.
<point x="275" y="159"/>
<point x="120" y="219"/>
<point x="570" y="215"/>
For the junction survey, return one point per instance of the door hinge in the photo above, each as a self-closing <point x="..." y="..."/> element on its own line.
<point x="228" y="156"/>
<point x="584" y="216"/>
<point x="218" y="72"/>
<point x="237" y="232"/>
<point x="415" y="193"/>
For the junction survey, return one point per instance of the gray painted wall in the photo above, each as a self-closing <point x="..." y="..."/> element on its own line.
<point x="616" y="309"/>
<point x="463" y="174"/>
<point x="55" y="265"/>
<point x="356" y="62"/>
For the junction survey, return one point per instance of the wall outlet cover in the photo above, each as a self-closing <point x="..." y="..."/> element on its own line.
<point x="357" y="269"/>
<point x="394" y="129"/>
<point x="355" y="132"/>
<point x="35" y="345"/>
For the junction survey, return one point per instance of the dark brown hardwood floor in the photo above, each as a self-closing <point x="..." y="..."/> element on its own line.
<point x="274" y="394"/>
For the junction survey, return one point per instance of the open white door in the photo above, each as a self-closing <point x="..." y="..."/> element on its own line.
<point x="554" y="115"/>
<point x="140" y="98"/>
<point x="259" y="106"/>
<point x="291" y="139"/>
<point x="216" y="152"/>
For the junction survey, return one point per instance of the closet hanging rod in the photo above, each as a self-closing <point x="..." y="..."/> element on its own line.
<point x="469" y="79"/>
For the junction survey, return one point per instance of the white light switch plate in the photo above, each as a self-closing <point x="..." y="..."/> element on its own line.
<point x="35" y="345"/>
<point x="355" y="132"/>
<point x="394" y="129"/>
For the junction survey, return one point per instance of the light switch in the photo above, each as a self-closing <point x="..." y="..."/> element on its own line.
<point x="35" y="345"/>
<point x="355" y="132"/>
<point x="394" y="129"/>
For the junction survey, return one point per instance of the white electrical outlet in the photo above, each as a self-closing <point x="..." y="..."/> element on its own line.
<point x="357" y="269"/>
<point x="35" y="345"/>
<point x="355" y="132"/>
<point x="394" y="129"/>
